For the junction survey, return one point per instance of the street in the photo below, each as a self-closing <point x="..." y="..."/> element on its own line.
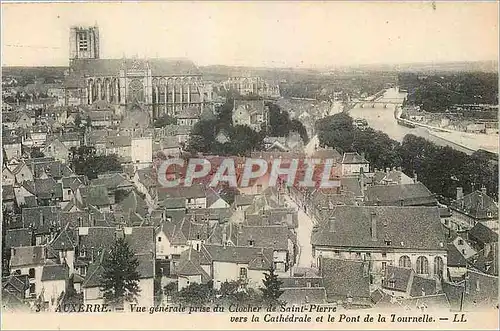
<point x="305" y="258"/>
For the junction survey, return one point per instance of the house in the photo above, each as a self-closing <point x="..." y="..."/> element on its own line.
<point x="120" y="145"/>
<point x="113" y="182"/>
<point x="473" y="207"/>
<point x="399" y="195"/>
<point x="477" y="292"/>
<point x="8" y="197"/>
<point x="22" y="172"/>
<point x="146" y="183"/>
<point x="12" y="147"/>
<point x="195" y="195"/>
<point x="15" y="289"/>
<point x="170" y="147"/>
<point x="252" y="113"/>
<point x="346" y="282"/>
<point x="276" y="237"/>
<point x="170" y="241"/>
<point x="131" y="209"/>
<point x="70" y="139"/>
<point x="353" y="163"/>
<point x="47" y="191"/>
<point x="56" y="149"/>
<point x="384" y="236"/>
<point x="456" y="263"/>
<point x="37" y="136"/>
<point x="96" y="196"/>
<point x="43" y="221"/>
<point x="141" y="151"/>
<point x="214" y="200"/>
<point x="54" y="281"/>
<point x="404" y="283"/>
<point x="188" y="116"/>
<point x="232" y="263"/>
<point x="30" y="261"/>
<point x="8" y="177"/>
<point x="392" y="177"/>
<point x="96" y="242"/>
<point x="189" y="270"/>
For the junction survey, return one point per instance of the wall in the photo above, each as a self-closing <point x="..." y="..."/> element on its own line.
<point x="52" y="291"/>
<point x="349" y="169"/>
<point x="142" y="150"/>
<point x="146" y="296"/>
<point x="184" y="281"/>
<point x="377" y="258"/>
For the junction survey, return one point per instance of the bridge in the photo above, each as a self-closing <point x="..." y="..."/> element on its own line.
<point x="373" y="103"/>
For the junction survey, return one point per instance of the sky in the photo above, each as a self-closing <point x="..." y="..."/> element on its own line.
<point x="270" y="34"/>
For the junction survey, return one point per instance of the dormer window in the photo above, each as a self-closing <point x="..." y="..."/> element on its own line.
<point x="83" y="252"/>
<point x="251" y="243"/>
<point x="388" y="243"/>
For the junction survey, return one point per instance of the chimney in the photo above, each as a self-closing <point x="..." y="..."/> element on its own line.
<point x="460" y="193"/>
<point x="373" y="226"/>
<point x="483" y="190"/>
<point x="332" y="224"/>
<point x="387" y="170"/>
<point x="415" y="178"/>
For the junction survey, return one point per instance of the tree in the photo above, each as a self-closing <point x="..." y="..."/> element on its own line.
<point x="164" y="121"/>
<point x="336" y="131"/>
<point x="120" y="276"/>
<point x="85" y="161"/>
<point x="78" y="121"/>
<point x="196" y="294"/>
<point x="272" y="287"/>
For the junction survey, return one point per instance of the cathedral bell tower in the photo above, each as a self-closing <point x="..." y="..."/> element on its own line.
<point x="83" y="43"/>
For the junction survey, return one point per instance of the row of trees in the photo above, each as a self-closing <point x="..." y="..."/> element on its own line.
<point x="436" y="93"/>
<point x="441" y="169"/>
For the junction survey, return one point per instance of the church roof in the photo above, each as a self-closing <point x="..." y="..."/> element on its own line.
<point x="112" y="67"/>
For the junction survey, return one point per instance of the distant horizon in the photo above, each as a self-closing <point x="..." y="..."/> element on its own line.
<point x="257" y="34"/>
<point x="269" y="67"/>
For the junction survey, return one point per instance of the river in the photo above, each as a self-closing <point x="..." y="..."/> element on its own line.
<point x="382" y="119"/>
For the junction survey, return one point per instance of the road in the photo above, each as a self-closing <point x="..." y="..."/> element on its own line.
<point x="304" y="231"/>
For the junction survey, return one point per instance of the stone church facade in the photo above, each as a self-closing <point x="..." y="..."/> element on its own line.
<point x="160" y="86"/>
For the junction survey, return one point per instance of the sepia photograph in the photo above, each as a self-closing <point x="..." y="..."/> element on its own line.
<point x="250" y="165"/>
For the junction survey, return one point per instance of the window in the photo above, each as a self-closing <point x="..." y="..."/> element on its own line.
<point x="388" y="243"/>
<point x="384" y="265"/>
<point x="31" y="273"/>
<point x="32" y="289"/>
<point x="358" y="255"/>
<point x="159" y="239"/>
<point x="404" y="261"/>
<point x="251" y="243"/>
<point x="438" y="266"/>
<point x="83" y="252"/>
<point x="243" y="273"/>
<point x="83" y="270"/>
<point x="422" y="265"/>
<point x="384" y="255"/>
<point x="460" y="242"/>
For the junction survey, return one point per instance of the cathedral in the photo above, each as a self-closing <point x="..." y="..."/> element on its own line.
<point x="158" y="86"/>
